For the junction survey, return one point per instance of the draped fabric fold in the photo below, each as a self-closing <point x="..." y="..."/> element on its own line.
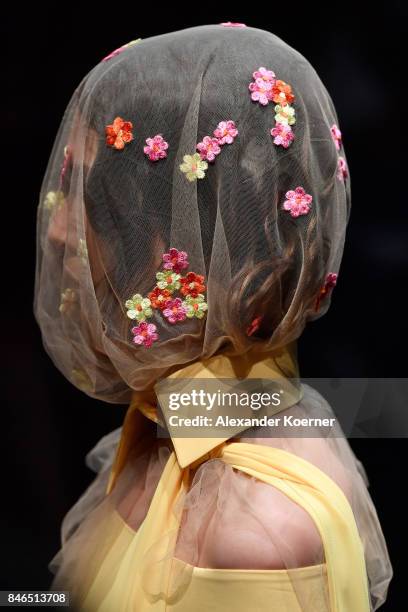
<point x="135" y="540"/>
<point x="300" y="480"/>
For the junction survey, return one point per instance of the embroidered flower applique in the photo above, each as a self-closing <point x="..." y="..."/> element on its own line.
<point x="209" y="148"/>
<point x="120" y="49"/>
<point x="254" y="325"/>
<point x="119" y="133"/>
<point x="297" y="202"/>
<point x="329" y="283"/>
<point x="175" y="260"/>
<point x="161" y="300"/>
<point x="264" y="74"/>
<point x="168" y="280"/>
<point x="82" y="251"/>
<point x="195" y="306"/>
<point x="282" y="93"/>
<point x="139" y="308"/>
<point x="226" y="132"/>
<point x="193" y="167"/>
<point x="156" y="148"/>
<point x="285" y="114"/>
<point x="232" y="24"/>
<point x="65" y="163"/>
<point x="175" y="310"/>
<point x="336" y="135"/>
<point x="267" y="88"/>
<point x="68" y="300"/>
<point x="145" y="333"/>
<point x="283" y="134"/>
<point x="192" y="284"/>
<point x="158" y="297"/>
<point x="54" y="200"/>
<point x="261" y="91"/>
<point x="342" y="170"/>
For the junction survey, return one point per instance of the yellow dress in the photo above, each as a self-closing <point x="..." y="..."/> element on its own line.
<point x="209" y="589"/>
<point x="124" y="569"/>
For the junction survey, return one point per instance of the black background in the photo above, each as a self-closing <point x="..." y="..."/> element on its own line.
<point x="48" y="425"/>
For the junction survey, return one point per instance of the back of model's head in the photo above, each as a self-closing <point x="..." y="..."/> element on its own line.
<point x="115" y="199"/>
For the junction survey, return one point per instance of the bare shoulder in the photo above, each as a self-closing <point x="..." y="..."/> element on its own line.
<point x="259" y="527"/>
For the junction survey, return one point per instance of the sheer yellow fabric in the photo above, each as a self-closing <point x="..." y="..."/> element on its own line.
<point x="136" y="570"/>
<point x="140" y="586"/>
<point x="208" y="589"/>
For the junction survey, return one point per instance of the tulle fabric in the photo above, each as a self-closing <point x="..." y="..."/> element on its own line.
<point x="106" y="217"/>
<point x="228" y="521"/>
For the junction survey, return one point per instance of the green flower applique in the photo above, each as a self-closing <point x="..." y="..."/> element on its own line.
<point x="82" y="251"/>
<point x="168" y="280"/>
<point x="193" y="167"/>
<point x="139" y="308"/>
<point x="195" y="306"/>
<point x="285" y="114"/>
<point x="53" y="200"/>
<point x="68" y="300"/>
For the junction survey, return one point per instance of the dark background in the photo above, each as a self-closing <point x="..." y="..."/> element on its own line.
<point x="48" y="425"/>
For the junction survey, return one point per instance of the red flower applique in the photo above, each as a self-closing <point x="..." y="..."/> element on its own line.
<point x="119" y="133"/>
<point x="254" y="325"/>
<point x="329" y="283"/>
<point x="192" y="284"/>
<point x="175" y="260"/>
<point x="158" y="297"/>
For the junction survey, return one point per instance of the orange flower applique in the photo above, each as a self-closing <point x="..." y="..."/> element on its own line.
<point x="282" y="93"/>
<point x="158" y="297"/>
<point x="119" y="133"/>
<point x="192" y="284"/>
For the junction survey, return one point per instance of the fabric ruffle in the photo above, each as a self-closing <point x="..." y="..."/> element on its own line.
<point x="228" y="520"/>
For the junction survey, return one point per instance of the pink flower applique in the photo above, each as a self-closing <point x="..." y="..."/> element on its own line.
<point x="261" y="91"/>
<point x="283" y="134"/>
<point x="225" y="132"/>
<point x="145" y="333"/>
<point x="297" y="202"/>
<point x="209" y="148"/>
<point x="336" y="135"/>
<point x="264" y="74"/>
<point x="329" y="283"/>
<point x="342" y="170"/>
<point x="175" y="260"/>
<point x="65" y="163"/>
<point x="262" y="86"/>
<point x="232" y="24"/>
<point x="156" y="148"/>
<point x="175" y="310"/>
